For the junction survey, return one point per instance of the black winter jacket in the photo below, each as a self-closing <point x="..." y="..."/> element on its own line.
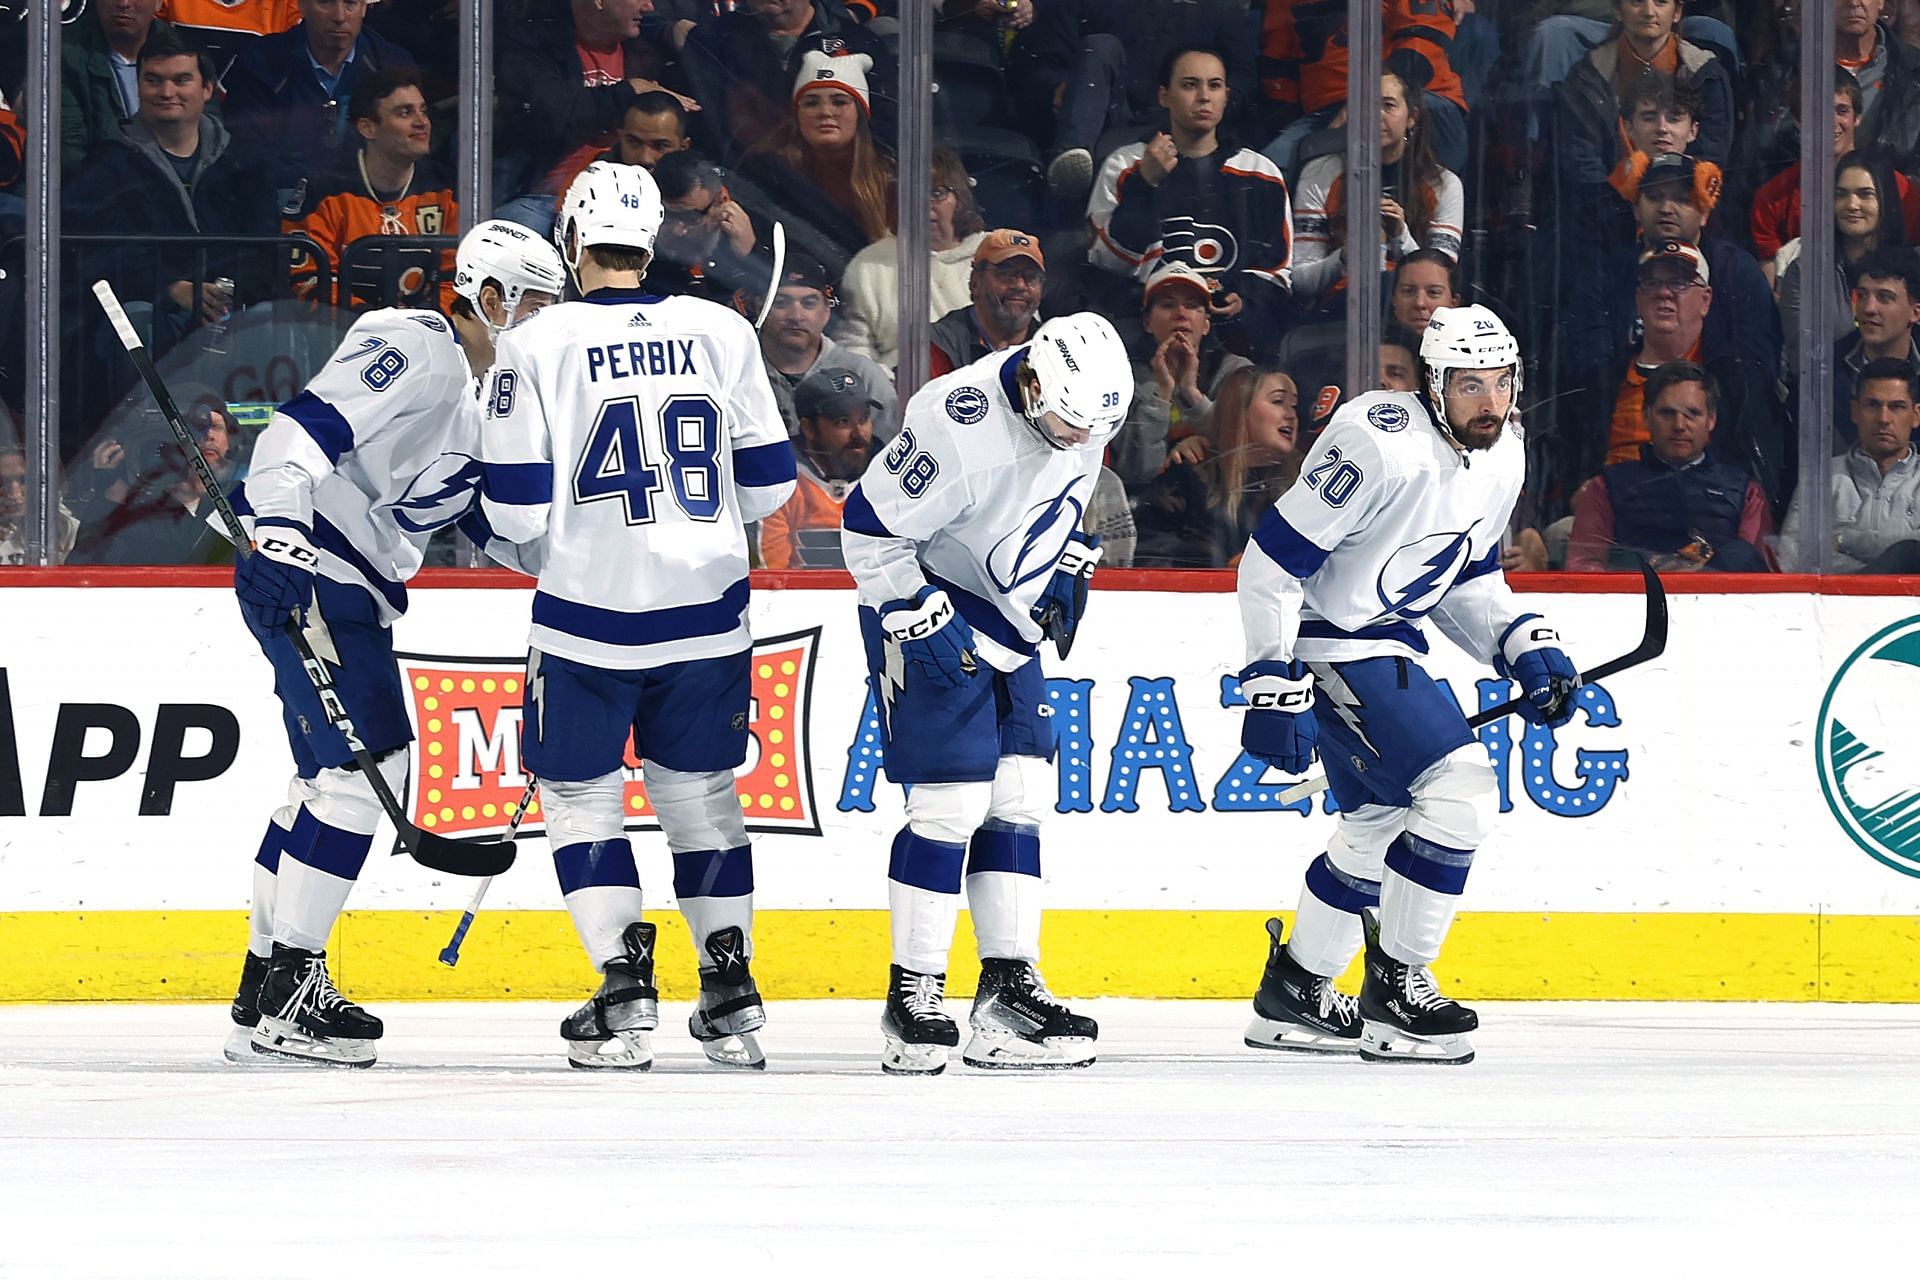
<point x="129" y="189"/>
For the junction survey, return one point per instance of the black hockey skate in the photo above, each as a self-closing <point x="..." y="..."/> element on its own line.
<point x="730" y="1011"/>
<point x="1404" y="1018"/>
<point x="916" y="1025"/>
<point x="1300" y="1011"/>
<point x="246" y="1013"/>
<point x="304" y="1018"/>
<point x="611" y="1031"/>
<point x="1018" y="1025"/>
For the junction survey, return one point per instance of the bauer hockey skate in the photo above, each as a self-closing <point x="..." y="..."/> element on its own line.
<point x="304" y="1018"/>
<point x="1404" y="1018"/>
<point x="1300" y="1011"/>
<point x="729" y="1012"/>
<point x="246" y="1013"/>
<point x="612" y="1030"/>
<point x="1018" y="1025"/>
<point x="916" y="1025"/>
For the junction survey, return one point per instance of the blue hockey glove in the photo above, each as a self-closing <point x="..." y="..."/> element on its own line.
<point x="928" y="641"/>
<point x="1530" y="654"/>
<point x="1064" y="601"/>
<point x="1279" y="728"/>
<point x="277" y="578"/>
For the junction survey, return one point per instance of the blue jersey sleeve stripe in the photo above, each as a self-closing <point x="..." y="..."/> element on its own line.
<point x="649" y="626"/>
<point x="517" y="484"/>
<point x="858" y="515"/>
<point x="765" y="465"/>
<point x="1287" y="547"/>
<point x="333" y="433"/>
<point x="1482" y="567"/>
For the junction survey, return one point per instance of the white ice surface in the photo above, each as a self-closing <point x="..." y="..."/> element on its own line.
<point x="1587" y="1139"/>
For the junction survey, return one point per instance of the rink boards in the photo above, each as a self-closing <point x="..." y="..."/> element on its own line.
<point x="1739" y="820"/>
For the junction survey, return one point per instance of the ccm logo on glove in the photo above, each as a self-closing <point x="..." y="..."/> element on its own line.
<point x="918" y="624"/>
<point x="289" y="550"/>
<point x="1280" y="699"/>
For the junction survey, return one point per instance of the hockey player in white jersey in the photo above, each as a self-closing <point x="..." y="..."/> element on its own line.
<point x="1397" y="518"/>
<point x="965" y="543"/>
<point x="633" y="437"/>
<point x="348" y="483"/>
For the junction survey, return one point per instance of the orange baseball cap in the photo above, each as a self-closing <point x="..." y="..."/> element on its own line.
<point x="1007" y="243"/>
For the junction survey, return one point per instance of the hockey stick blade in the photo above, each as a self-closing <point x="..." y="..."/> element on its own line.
<point x="480" y="858"/>
<point x="779" y="269"/>
<point x="1653" y="643"/>
<point x="450" y="954"/>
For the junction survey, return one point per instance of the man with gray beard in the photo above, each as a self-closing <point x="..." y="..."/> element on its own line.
<point x="1009" y="275"/>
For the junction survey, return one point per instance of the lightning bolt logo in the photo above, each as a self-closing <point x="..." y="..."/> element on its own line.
<point x="1331" y="690"/>
<point x="537" y="686"/>
<point x="893" y="674"/>
<point x="1432" y="577"/>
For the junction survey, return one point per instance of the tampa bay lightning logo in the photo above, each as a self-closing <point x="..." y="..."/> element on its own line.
<point x="1418" y="574"/>
<point x="1034" y="546"/>
<point x="966" y="405"/>
<point x="1389" y="417"/>
<point x="439" y="495"/>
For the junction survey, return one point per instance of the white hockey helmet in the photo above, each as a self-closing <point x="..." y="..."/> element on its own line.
<point x="514" y="258"/>
<point x="1467" y="338"/>
<point x="1470" y="337"/>
<point x="611" y="205"/>
<point x="1081" y="375"/>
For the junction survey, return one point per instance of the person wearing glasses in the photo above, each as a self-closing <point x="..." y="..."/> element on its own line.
<point x="1008" y="276"/>
<point x="709" y="245"/>
<point x="870" y="286"/>
<point x="1674" y="299"/>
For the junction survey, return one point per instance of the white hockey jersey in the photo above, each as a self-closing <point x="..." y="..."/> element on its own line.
<point x="969" y="498"/>
<point x="375" y="454"/>
<point x="635" y="437"/>
<point x="1389" y="523"/>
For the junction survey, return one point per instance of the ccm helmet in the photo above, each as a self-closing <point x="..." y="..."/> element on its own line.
<point x="1465" y="338"/>
<point x="511" y="256"/>
<point x="608" y="205"/>
<point x="1080" y="373"/>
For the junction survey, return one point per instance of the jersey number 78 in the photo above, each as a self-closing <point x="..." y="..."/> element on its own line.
<point x="623" y="461"/>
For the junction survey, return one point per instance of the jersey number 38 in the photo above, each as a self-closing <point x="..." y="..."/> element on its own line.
<point x="625" y="461"/>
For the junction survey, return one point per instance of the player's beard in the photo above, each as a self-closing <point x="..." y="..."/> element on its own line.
<point x="1480" y="432"/>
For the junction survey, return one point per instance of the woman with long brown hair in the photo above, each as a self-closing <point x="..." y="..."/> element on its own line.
<point x="1201" y="514"/>
<point x="869" y="319"/>
<point x="1422" y="204"/>
<point x="823" y="164"/>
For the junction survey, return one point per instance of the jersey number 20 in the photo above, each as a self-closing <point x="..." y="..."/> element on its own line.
<point x="618" y="461"/>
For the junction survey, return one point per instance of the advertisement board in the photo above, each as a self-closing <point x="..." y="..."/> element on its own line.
<point x="1738" y="819"/>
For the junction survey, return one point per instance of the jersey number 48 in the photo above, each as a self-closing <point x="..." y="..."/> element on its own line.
<point x="624" y="462"/>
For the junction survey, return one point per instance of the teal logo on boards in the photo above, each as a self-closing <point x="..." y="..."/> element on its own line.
<point x="1867" y="746"/>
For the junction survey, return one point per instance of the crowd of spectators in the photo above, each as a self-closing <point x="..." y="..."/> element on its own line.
<point x="1618" y="178"/>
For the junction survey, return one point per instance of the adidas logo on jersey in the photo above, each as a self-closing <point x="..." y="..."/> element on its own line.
<point x="639" y="321"/>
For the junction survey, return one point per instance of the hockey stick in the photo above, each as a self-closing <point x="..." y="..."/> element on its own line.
<point x="779" y="266"/>
<point x="482" y="858"/>
<point x="450" y="954"/>
<point x="1653" y="642"/>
